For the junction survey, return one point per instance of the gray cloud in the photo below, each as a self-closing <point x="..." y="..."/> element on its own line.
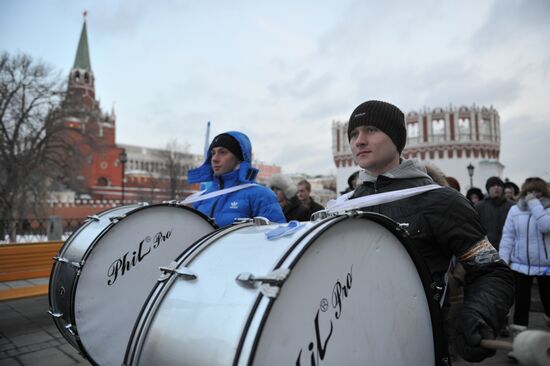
<point x="512" y="20"/>
<point x="520" y="136"/>
<point x="452" y="82"/>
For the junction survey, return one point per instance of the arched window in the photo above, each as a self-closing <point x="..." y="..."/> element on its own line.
<point x="86" y="78"/>
<point x="438" y="130"/>
<point x="413" y="133"/>
<point x="464" y="128"/>
<point x="485" y="133"/>
<point x="102" y="182"/>
<point x="77" y="76"/>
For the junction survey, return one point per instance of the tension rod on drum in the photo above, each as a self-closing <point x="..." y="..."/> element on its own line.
<point x="184" y="272"/>
<point x="276" y="277"/>
<point x="269" y="284"/>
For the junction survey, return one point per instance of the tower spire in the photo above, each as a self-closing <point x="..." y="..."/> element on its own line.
<point x="82" y="59"/>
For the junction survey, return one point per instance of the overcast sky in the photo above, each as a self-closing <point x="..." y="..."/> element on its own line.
<point x="282" y="71"/>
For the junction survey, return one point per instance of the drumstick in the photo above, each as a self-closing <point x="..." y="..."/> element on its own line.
<point x="530" y="347"/>
<point x="495" y="344"/>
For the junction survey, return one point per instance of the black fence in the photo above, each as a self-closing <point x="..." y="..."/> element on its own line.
<point x="37" y="229"/>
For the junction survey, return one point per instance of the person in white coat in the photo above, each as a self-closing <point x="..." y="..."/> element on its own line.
<point x="525" y="246"/>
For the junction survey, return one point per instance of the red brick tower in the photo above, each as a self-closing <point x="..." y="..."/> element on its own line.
<point x="100" y="167"/>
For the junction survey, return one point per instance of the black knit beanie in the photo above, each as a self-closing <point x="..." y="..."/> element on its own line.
<point x="384" y="116"/>
<point x="229" y="142"/>
<point x="493" y="181"/>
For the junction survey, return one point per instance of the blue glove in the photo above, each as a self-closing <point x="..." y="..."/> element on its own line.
<point x="470" y="330"/>
<point x="284" y="230"/>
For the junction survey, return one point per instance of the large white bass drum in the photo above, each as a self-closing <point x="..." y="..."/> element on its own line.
<point x="346" y="290"/>
<point x="105" y="271"/>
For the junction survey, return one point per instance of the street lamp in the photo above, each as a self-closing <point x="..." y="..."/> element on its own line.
<point x="123" y="159"/>
<point x="471" y="174"/>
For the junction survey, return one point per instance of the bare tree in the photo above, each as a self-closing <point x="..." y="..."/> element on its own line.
<point x="176" y="161"/>
<point x="36" y="150"/>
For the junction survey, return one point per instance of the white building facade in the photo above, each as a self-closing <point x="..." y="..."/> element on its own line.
<point x="451" y="138"/>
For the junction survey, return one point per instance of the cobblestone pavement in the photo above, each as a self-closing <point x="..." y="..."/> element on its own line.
<point x="29" y="337"/>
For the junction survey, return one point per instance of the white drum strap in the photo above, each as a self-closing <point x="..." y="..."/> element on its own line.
<point x="196" y="197"/>
<point x="343" y="203"/>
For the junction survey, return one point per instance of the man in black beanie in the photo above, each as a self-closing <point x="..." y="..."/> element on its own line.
<point x="228" y="166"/>
<point x="441" y="223"/>
<point x="494" y="209"/>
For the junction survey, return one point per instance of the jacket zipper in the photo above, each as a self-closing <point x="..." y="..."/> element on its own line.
<point x="544" y="245"/>
<point x="528" y="260"/>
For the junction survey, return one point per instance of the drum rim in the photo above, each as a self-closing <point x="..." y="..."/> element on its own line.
<point x="439" y="340"/>
<point x="104" y="231"/>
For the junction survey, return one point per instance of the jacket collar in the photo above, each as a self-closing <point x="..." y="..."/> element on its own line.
<point x="406" y="169"/>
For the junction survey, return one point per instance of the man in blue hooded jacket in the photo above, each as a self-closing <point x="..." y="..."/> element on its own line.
<point x="228" y="165"/>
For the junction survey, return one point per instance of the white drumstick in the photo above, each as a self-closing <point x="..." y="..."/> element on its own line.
<point x="530" y="347"/>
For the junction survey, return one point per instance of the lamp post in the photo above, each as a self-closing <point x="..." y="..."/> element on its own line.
<point x="123" y="159"/>
<point x="471" y="168"/>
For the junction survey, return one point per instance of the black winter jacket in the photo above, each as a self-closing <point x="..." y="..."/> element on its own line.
<point x="313" y="207"/>
<point x="442" y="223"/>
<point x="295" y="210"/>
<point x="492" y="213"/>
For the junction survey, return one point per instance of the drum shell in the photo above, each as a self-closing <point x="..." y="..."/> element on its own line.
<point x="117" y="231"/>
<point x="214" y="321"/>
<point x="67" y="265"/>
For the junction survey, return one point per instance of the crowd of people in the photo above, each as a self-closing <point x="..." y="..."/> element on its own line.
<point x="479" y="245"/>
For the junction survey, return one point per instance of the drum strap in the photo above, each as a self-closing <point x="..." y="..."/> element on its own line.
<point x="446" y="281"/>
<point x="198" y="196"/>
<point x="343" y="203"/>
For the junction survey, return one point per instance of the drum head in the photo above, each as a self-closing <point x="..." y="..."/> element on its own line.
<point x="121" y="269"/>
<point x="64" y="274"/>
<point x="354" y="296"/>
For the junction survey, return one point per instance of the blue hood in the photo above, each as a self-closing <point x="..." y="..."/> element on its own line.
<point x="247" y="173"/>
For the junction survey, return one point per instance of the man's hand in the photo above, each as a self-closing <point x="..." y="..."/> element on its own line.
<point x="470" y="330"/>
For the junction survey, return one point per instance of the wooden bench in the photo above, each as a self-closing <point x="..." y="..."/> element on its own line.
<point x="24" y="262"/>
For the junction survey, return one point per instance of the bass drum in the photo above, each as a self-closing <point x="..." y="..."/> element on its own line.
<point x="347" y="290"/>
<point x="105" y="271"/>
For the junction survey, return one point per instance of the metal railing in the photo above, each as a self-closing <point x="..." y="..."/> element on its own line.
<point x="31" y="230"/>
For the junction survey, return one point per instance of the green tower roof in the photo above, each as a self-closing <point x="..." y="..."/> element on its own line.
<point x="82" y="60"/>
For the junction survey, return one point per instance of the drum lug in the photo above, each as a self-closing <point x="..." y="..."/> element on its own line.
<point x="270" y="283"/>
<point x="258" y="220"/>
<point x="403" y="228"/>
<point x="354" y="213"/>
<point x="69" y="328"/>
<point x="93" y="217"/>
<point x="184" y="272"/>
<point x="115" y="219"/>
<point x="321" y="215"/>
<point x="60" y="259"/>
<point x="55" y="315"/>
